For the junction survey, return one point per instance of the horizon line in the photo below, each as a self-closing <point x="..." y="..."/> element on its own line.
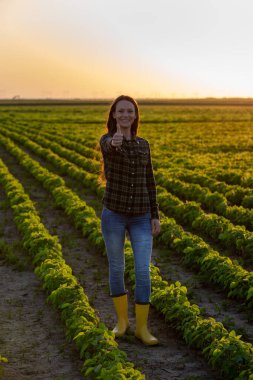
<point x="17" y="97"/>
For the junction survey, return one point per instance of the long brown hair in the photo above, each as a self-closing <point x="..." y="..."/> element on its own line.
<point x="111" y="122"/>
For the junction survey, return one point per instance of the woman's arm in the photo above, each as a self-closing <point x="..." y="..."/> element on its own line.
<point x="105" y="144"/>
<point x="151" y="186"/>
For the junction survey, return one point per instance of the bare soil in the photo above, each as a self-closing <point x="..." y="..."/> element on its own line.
<point x="32" y="336"/>
<point x="212" y="301"/>
<point x="172" y="359"/>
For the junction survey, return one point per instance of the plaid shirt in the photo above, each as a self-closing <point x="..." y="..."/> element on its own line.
<point x="130" y="184"/>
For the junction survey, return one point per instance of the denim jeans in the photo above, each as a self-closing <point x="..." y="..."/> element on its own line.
<point x="114" y="226"/>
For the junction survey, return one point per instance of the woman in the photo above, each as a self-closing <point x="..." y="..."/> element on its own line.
<point x="129" y="204"/>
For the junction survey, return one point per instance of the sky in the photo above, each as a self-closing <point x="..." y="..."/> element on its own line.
<point x="142" y="48"/>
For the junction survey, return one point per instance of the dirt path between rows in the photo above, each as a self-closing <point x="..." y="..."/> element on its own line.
<point x="32" y="336"/>
<point x="172" y="359"/>
<point x="212" y="300"/>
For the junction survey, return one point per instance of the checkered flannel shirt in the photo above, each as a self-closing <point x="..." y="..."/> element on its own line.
<point x="130" y="184"/>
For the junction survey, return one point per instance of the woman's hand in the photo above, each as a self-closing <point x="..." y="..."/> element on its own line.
<point x="156" y="227"/>
<point x="117" y="137"/>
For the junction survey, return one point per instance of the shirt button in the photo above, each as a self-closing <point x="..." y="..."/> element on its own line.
<point x="132" y="184"/>
<point x="132" y="173"/>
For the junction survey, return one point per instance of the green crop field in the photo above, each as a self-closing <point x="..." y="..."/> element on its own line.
<point x="202" y="282"/>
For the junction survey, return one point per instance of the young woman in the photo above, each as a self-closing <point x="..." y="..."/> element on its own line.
<point x="129" y="204"/>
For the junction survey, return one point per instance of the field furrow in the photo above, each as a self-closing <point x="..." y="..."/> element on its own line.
<point x="172" y="356"/>
<point x="214" y="226"/>
<point x="225" y="273"/>
<point x="65" y="200"/>
<point x="202" y="282"/>
<point x="82" y="324"/>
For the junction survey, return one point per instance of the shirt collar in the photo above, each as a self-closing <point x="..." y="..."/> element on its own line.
<point x="133" y="138"/>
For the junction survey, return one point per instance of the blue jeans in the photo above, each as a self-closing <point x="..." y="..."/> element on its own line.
<point x="114" y="226"/>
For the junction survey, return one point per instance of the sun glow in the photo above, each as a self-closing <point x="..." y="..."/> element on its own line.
<point x="99" y="49"/>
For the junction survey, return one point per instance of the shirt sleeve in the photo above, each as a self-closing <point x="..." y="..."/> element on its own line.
<point x="105" y="144"/>
<point x="151" y="186"/>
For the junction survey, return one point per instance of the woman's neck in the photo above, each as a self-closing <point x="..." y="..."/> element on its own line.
<point x="127" y="135"/>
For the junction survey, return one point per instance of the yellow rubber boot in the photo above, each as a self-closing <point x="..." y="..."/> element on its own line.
<point x="121" y="307"/>
<point x="141" y="331"/>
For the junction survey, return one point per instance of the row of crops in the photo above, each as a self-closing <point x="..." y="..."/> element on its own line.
<point x="205" y="193"/>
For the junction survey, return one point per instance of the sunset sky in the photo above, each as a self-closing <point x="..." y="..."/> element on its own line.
<point x="144" y="48"/>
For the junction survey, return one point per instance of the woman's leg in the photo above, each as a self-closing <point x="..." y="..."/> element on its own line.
<point x="140" y="233"/>
<point x="113" y="230"/>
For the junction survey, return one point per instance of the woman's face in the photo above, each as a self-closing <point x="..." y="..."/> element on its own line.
<point x="124" y="113"/>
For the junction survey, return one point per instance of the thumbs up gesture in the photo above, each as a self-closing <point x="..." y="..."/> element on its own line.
<point x="117" y="137"/>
